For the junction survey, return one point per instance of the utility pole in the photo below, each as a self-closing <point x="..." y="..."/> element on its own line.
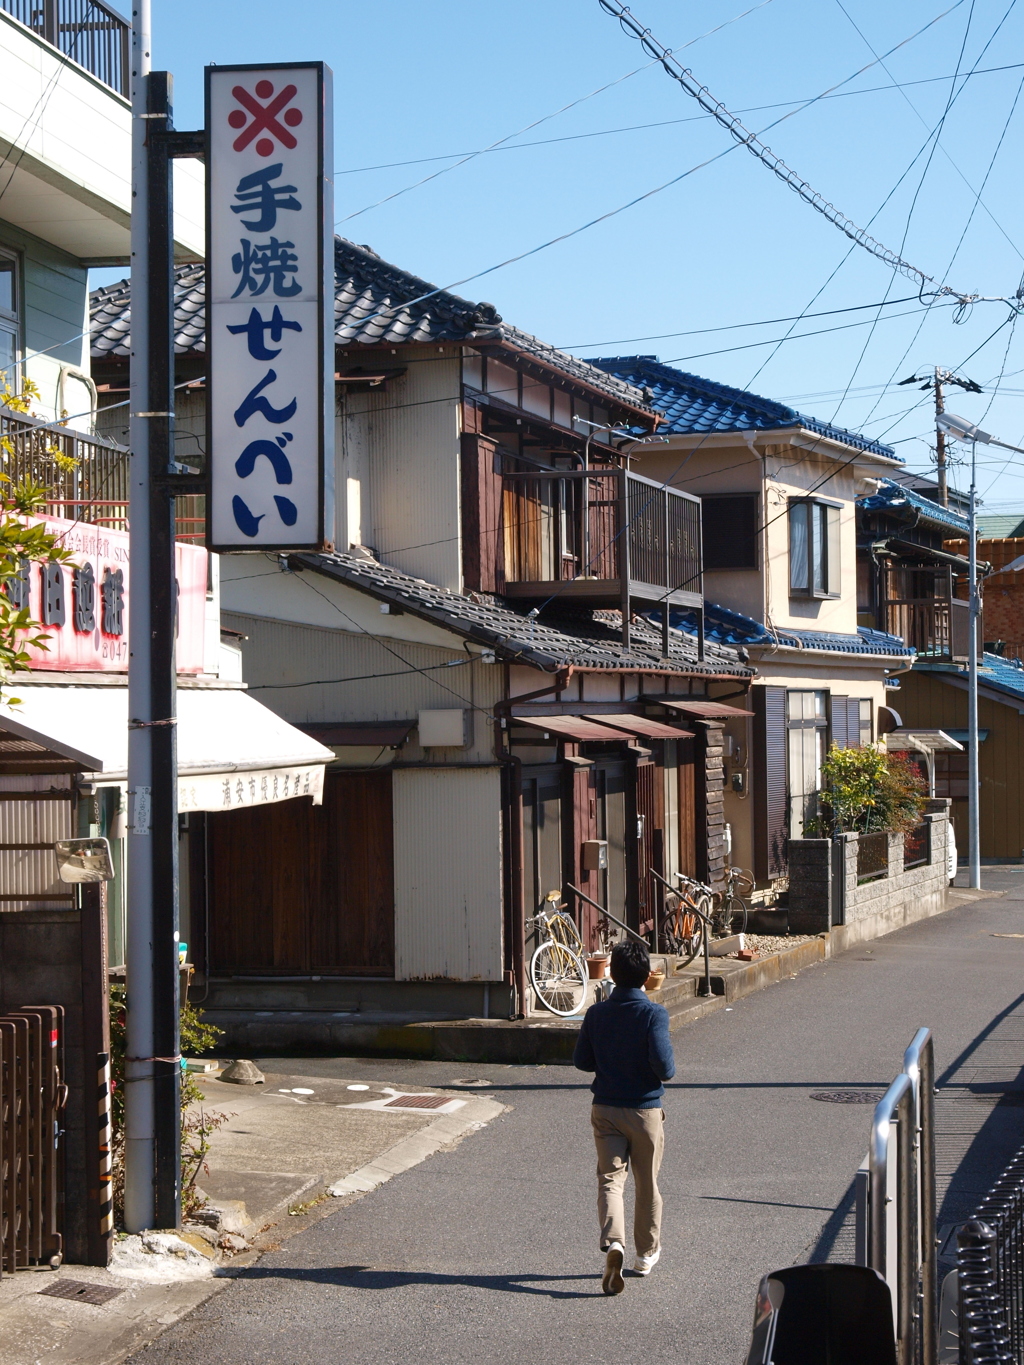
<point x="935" y="381"/>
<point x="974" y="612"/>
<point x="940" y="440"/>
<point x="152" y="1063"/>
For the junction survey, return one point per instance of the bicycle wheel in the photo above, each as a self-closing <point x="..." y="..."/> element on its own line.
<point x="734" y="914"/>
<point x="559" y="979"/>
<point x="682" y="932"/>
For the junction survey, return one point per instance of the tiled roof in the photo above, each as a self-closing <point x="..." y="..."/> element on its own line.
<point x="691" y="404"/>
<point x="732" y="628"/>
<point x="372" y="307"/>
<point x="1001" y="526"/>
<point x="995" y="672"/>
<point x="589" y="640"/>
<point x="892" y="496"/>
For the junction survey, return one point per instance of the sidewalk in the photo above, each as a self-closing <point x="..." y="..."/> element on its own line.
<point x="271" y="1167"/>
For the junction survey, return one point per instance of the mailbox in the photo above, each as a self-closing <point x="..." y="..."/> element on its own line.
<point x="595" y="855"/>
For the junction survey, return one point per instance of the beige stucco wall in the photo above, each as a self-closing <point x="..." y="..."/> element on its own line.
<point x="777" y="471"/>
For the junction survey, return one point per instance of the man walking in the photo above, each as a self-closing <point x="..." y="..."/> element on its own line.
<point x="625" y="1040"/>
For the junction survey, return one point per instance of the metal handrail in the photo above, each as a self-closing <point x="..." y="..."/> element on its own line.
<point x="896" y="1106"/>
<point x="919" y="1066"/>
<point x="606" y="913"/>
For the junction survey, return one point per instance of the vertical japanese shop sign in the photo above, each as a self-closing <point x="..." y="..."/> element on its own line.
<point x="270" y="307"/>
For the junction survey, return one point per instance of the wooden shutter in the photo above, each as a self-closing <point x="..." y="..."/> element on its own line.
<point x="769" y="790"/>
<point x="482" y="543"/>
<point x="832" y="555"/>
<point x="687" y="808"/>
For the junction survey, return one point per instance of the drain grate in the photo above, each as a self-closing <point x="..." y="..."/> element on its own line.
<point x="82" y="1292"/>
<point x="417" y="1102"/>
<point x="848" y="1096"/>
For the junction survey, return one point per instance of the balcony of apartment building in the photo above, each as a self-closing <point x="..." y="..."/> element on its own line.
<point x="65" y="126"/>
<point x="599" y="537"/>
<point x="92" y="34"/>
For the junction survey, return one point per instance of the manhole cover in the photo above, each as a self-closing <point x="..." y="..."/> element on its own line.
<point x="848" y="1096"/>
<point x="82" y="1292"/>
<point x="417" y="1102"/>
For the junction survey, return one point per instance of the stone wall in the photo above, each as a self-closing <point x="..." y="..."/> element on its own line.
<point x="824" y="894"/>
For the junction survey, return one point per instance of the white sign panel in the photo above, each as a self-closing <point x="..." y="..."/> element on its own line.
<point x="270" y="306"/>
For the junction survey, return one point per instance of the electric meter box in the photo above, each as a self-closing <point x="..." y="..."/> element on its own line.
<point x="595" y="855"/>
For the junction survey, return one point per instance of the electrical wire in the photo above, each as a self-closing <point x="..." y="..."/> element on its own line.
<point x="470" y="156"/>
<point x="920" y="116"/>
<point x="667" y="123"/>
<point x="757" y="148"/>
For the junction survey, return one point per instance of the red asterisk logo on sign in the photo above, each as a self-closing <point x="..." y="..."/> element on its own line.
<point x="264" y="117"/>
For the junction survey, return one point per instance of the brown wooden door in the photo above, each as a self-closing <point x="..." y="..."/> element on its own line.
<point x="585" y="827"/>
<point x="296" y="888"/>
<point x="647" y="775"/>
<point x="687" y="808"/>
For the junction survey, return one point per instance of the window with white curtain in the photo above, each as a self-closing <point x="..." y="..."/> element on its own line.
<point x="813" y="548"/>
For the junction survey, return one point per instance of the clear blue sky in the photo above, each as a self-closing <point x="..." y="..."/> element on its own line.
<point x="728" y="244"/>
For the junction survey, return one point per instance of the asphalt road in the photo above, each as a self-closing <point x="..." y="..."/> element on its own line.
<point x="488" y="1253"/>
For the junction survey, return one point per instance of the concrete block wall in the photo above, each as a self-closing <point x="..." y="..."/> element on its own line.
<point x="823" y="876"/>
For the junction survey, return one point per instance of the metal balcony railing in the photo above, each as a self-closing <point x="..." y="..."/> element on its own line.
<point x="86" y="477"/>
<point x="604" y="537"/>
<point x="88" y="31"/>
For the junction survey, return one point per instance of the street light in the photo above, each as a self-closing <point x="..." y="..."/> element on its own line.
<point x="967" y="431"/>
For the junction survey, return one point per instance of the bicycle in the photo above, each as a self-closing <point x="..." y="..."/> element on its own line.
<point x="730" y="905"/>
<point x="558" y="971"/>
<point x="684" y="924"/>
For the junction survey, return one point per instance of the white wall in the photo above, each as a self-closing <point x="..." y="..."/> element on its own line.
<point x="448" y="902"/>
<point x="72" y="182"/>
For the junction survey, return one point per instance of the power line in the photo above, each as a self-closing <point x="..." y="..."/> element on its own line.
<point x="664" y="123"/>
<point x="753" y="143"/>
<point x="537" y="122"/>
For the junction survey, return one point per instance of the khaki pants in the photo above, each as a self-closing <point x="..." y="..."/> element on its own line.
<point x="625" y="1136"/>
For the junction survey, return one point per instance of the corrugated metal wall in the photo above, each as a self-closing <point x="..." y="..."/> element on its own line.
<point x="279" y="653"/>
<point x="404" y="442"/>
<point x="448" y="903"/>
<point x="31" y="815"/>
<point x="927" y="701"/>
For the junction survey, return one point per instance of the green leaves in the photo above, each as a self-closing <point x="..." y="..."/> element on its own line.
<point x="865" y="790"/>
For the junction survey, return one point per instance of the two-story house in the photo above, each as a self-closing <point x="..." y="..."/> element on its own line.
<point x="778" y="491"/>
<point x="506" y="721"/>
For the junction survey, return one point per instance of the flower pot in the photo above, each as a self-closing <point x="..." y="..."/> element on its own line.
<point x="597" y="965"/>
<point x="655" y="981"/>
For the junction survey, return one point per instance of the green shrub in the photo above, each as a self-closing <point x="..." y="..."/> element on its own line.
<point x="865" y="790"/>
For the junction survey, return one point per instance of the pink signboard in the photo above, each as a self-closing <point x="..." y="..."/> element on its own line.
<point x="84" y="605"/>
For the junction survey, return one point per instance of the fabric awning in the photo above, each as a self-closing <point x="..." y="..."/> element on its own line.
<point x="571" y="727"/>
<point x="641" y="725"/>
<point x="706" y="710"/>
<point x="232" y="750"/>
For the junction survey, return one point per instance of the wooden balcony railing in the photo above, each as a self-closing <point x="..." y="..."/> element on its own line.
<point x="937" y="627"/>
<point x="604" y="537"/>
<point x="88" y="31"/>
<point x="86" y="477"/>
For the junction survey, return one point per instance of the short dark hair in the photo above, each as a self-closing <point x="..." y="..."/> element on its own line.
<point x="631" y="964"/>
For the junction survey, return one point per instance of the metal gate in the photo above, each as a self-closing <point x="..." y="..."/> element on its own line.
<point x="32" y="1096"/>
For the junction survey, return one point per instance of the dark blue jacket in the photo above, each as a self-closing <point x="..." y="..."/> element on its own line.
<point x="625" y="1040"/>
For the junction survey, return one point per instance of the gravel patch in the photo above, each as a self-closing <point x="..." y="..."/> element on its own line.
<point x="766" y="944"/>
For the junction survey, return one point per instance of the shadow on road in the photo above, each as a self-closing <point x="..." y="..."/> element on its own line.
<point x="366" y="1277"/>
